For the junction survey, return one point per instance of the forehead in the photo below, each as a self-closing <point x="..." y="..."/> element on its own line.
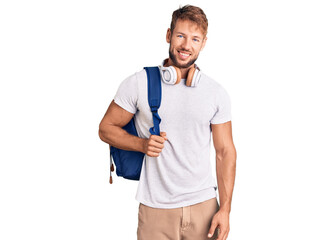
<point x="188" y="27"/>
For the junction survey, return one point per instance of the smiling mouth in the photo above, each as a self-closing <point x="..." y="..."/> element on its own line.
<point x="183" y="55"/>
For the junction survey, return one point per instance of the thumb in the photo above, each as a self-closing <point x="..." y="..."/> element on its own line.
<point x="212" y="229"/>
<point x="164" y="135"/>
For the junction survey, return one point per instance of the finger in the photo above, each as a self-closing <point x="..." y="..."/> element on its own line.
<point x="154" y="149"/>
<point x="153" y="154"/>
<point x="155" y="144"/>
<point x="158" y="138"/>
<point x="226" y="235"/>
<point x="212" y="229"/>
<point x="221" y="234"/>
<point x="164" y="135"/>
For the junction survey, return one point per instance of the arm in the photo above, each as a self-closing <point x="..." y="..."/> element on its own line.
<point x="225" y="163"/>
<point x="226" y="171"/>
<point x="111" y="132"/>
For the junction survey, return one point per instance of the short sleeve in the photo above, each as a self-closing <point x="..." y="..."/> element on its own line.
<point x="223" y="104"/>
<point x="127" y="94"/>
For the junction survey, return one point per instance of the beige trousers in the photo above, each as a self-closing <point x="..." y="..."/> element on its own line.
<point x="184" y="223"/>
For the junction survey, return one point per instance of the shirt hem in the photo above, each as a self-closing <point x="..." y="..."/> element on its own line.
<point x="220" y="121"/>
<point x="178" y="205"/>
<point x="118" y="102"/>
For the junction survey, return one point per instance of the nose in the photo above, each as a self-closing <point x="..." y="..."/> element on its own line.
<point x="186" y="44"/>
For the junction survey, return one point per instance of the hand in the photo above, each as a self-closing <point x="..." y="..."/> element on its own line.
<point x="220" y="220"/>
<point x="154" y="144"/>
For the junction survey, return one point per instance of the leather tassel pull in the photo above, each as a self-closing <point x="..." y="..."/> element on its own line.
<point x="111" y="170"/>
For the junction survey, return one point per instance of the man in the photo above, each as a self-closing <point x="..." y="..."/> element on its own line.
<point x="176" y="191"/>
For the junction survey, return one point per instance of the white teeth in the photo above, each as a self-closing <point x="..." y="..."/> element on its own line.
<point x="184" y="54"/>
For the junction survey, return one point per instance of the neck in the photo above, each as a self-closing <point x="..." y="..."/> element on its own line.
<point x="184" y="71"/>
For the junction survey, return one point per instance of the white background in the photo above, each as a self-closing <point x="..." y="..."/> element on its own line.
<point x="62" y="61"/>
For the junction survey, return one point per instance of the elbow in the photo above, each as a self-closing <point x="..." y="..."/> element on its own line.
<point x="220" y="156"/>
<point x="101" y="132"/>
<point x="226" y="154"/>
<point x="106" y="132"/>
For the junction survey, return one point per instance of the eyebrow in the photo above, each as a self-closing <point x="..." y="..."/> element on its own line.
<point x="196" y="36"/>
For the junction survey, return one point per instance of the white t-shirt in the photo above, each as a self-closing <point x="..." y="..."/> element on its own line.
<point x="181" y="175"/>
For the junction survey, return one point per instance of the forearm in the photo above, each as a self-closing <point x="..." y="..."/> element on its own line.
<point x="120" y="138"/>
<point x="226" y="172"/>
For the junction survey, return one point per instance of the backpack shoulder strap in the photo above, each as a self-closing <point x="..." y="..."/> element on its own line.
<point x="154" y="96"/>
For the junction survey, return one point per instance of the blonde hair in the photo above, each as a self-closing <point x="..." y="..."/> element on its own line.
<point x="192" y="13"/>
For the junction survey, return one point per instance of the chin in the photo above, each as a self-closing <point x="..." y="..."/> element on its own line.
<point x="185" y="64"/>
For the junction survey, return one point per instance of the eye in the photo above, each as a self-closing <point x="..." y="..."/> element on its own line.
<point x="196" y="40"/>
<point x="179" y="36"/>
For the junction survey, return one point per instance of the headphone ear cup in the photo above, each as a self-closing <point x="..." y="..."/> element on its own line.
<point x="190" y="76"/>
<point x="178" y="75"/>
<point x="197" y="77"/>
<point x="168" y="75"/>
<point x="193" y="78"/>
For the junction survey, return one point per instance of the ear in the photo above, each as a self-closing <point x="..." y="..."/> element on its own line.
<point x="204" y="41"/>
<point x="168" y="35"/>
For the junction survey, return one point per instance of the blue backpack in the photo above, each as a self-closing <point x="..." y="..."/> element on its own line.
<point x="129" y="163"/>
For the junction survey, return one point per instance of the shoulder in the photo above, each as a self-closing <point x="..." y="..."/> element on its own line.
<point x="213" y="85"/>
<point x="141" y="74"/>
<point x="134" y="78"/>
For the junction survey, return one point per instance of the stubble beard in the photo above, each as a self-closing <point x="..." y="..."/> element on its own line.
<point x="174" y="59"/>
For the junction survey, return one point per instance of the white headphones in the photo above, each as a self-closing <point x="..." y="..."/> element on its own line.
<point x="172" y="75"/>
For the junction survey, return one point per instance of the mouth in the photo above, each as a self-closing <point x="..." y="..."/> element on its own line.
<point x="183" y="55"/>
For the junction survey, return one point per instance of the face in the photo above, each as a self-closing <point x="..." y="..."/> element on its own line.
<point x="186" y="42"/>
